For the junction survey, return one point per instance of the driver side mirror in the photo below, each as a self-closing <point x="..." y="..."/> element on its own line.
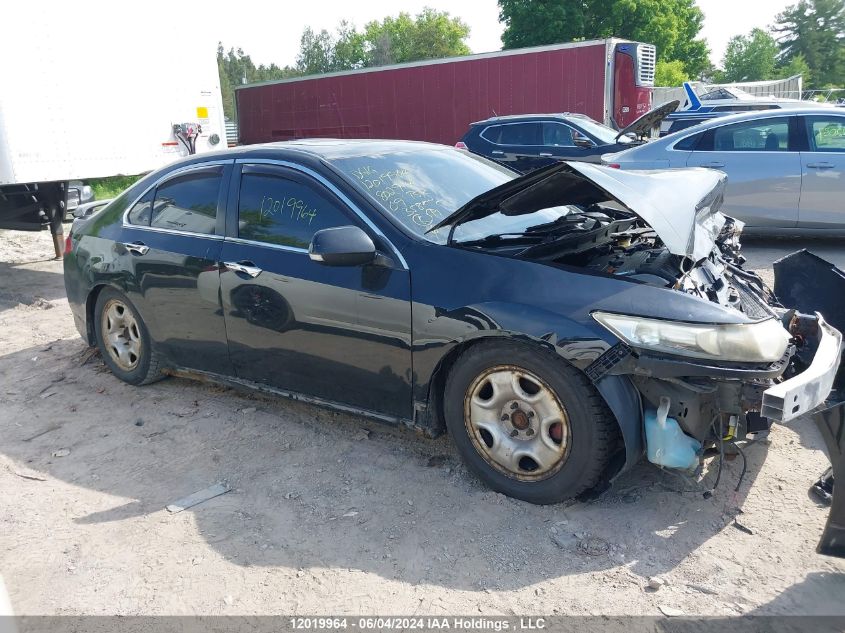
<point x="583" y="143"/>
<point x="342" y="246"/>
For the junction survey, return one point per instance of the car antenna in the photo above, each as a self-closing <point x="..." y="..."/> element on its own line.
<point x="494" y="112"/>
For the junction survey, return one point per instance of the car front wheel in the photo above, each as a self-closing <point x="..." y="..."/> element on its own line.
<point x="123" y="340"/>
<point x="527" y="423"/>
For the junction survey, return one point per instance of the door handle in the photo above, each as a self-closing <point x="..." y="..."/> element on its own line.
<point x="820" y="165"/>
<point x="245" y="267"/>
<point x="139" y="248"/>
<point x="713" y="164"/>
<point x="545" y="154"/>
<point x="497" y="152"/>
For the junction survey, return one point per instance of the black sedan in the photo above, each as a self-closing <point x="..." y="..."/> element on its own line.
<point x="525" y="142"/>
<point x="559" y="325"/>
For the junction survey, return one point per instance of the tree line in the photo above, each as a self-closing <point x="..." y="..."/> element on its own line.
<point x="430" y="34"/>
<point x="807" y="37"/>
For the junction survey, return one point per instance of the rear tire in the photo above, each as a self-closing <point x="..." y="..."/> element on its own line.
<point x="527" y="423"/>
<point x="123" y="340"/>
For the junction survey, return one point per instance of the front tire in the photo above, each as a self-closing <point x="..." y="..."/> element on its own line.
<point x="527" y="423"/>
<point x="124" y="341"/>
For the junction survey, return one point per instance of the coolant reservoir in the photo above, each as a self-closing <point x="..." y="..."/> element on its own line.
<point x="667" y="445"/>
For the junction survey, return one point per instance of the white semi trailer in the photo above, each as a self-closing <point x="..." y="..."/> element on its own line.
<point x="122" y="102"/>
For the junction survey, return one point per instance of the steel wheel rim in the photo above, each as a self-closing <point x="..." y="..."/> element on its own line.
<point x="121" y="334"/>
<point x="517" y="423"/>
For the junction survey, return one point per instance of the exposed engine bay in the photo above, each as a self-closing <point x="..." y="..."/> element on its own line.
<point x="610" y="239"/>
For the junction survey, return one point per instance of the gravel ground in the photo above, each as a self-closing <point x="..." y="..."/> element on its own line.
<point x="330" y="513"/>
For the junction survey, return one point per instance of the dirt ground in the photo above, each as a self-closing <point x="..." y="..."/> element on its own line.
<point x="334" y="514"/>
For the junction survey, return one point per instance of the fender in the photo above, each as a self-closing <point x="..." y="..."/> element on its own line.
<point x="624" y="402"/>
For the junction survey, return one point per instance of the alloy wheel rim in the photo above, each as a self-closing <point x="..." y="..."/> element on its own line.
<point x="517" y="423"/>
<point x="121" y="335"/>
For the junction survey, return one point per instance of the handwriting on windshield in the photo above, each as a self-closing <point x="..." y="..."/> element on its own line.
<point x="397" y="191"/>
<point x="287" y="207"/>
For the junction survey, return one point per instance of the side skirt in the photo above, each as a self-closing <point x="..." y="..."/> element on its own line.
<point x="248" y="385"/>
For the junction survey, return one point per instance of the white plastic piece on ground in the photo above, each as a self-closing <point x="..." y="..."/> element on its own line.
<point x="198" y="497"/>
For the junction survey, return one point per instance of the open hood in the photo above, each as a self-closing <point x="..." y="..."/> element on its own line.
<point x="682" y="206"/>
<point x="650" y="120"/>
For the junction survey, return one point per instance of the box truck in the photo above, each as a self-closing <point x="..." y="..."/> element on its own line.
<point x="609" y="80"/>
<point x="115" y="103"/>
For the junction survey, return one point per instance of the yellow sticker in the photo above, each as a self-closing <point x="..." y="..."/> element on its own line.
<point x="202" y="112"/>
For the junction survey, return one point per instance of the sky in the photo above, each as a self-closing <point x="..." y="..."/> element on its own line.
<point x="269" y="30"/>
<point x="277" y="40"/>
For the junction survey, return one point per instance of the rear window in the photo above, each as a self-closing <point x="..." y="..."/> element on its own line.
<point x="188" y="202"/>
<point x="761" y="135"/>
<point x="514" y="134"/>
<point x="417" y="189"/>
<point x="689" y="143"/>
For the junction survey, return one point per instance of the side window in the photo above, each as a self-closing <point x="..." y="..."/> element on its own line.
<point x="284" y="210"/>
<point x="141" y="213"/>
<point x="557" y="134"/>
<point x="769" y="135"/>
<point x="188" y="202"/>
<point x="682" y="124"/>
<point x="521" y="134"/>
<point x="492" y="133"/>
<point x="689" y="143"/>
<point x="827" y="134"/>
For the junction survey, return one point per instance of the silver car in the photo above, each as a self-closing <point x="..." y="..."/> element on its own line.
<point x="786" y="169"/>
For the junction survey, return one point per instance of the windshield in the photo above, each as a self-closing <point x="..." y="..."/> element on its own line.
<point x="605" y="134"/>
<point x="420" y="187"/>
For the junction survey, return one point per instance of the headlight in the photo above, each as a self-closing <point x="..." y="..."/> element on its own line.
<point x="764" y="341"/>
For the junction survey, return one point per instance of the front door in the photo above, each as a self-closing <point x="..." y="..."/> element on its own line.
<point x="337" y="333"/>
<point x="823" y="173"/>
<point x="763" y="168"/>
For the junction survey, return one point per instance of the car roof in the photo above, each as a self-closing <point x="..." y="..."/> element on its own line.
<point x="724" y="119"/>
<point x="316" y="148"/>
<point x="509" y="118"/>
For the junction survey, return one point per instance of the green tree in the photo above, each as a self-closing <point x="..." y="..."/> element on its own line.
<point x="815" y="30"/>
<point x="671" y="25"/>
<point x="236" y="67"/>
<point x="670" y="73"/>
<point x="795" y="66"/>
<point x="316" y="52"/>
<point x="751" y="57"/>
<point x="430" y="34"/>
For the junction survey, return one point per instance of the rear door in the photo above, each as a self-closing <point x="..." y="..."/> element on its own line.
<point x="763" y="166"/>
<point x="338" y="333"/>
<point x="517" y="145"/>
<point x="171" y="243"/>
<point x="823" y="173"/>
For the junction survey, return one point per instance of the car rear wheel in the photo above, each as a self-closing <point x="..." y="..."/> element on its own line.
<point x="123" y="340"/>
<point x="527" y="423"/>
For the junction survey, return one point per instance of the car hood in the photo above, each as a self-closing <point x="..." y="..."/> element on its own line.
<point x="682" y="206"/>
<point x="648" y="121"/>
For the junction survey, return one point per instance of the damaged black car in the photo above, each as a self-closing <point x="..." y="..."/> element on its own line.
<point x="560" y="326"/>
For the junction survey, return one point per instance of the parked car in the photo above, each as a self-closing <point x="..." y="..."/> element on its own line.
<point x="549" y="322"/>
<point x="786" y="168"/>
<point x="720" y="101"/>
<point x="526" y="142"/>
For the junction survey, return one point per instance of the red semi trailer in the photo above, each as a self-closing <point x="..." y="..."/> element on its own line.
<point x="435" y="100"/>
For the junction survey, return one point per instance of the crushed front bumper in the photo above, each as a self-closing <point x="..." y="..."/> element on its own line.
<point x="809" y="389"/>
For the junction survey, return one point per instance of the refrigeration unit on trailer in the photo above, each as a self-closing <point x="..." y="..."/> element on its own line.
<point x="106" y="106"/>
<point x="609" y="80"/>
